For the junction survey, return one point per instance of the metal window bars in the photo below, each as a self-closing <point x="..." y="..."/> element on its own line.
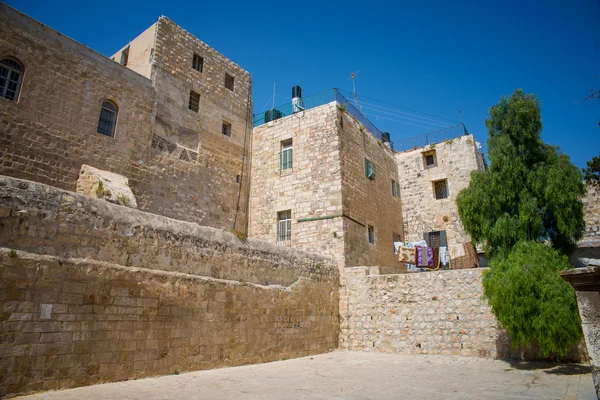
<point x="284" y="226"/>
<point x="11" y="73"/>
<point x="108" y="119"/>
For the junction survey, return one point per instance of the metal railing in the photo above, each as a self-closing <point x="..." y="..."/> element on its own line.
<point x="425" y="139"/>
<point x="313" y="101"/>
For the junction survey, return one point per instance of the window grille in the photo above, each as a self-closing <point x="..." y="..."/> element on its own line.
<point x="369" y="169"/>
<point x="108" y="119"/>
<point x="229" y="82"/>
<point x="395" y="189"/>
<point x="11" y="75"/>
<point x="194" y="103"/>
<point x="440" y="189"/>
<point x="286" y="155"/>
<point x="198" y="63"/>
<point x="226" y="129"/>
<point x="371" y="234"/>
<point x="284" y="226"/>
<point x="435" y="239"/>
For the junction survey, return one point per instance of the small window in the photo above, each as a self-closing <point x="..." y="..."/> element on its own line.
<point x="440" y="189"/>
<point x="395" y="189"/>
<point x="369" y="169"/>
<point x="226" y="129"/>
<point x="284" y="226"/>
<point x="238" y="178"/>
<point x="229" y="82"/>
<point x="371" y="233"/>
<point x="125" y="56"/>
<point x="197" y="62"/>
<point x="194" y="103"/>
<point x="108" y="119"/>
<point x="429" y="159"/>
<point x="435" y="239"/>
<point x="286" y="155"/>
<point x="11" y="76"/>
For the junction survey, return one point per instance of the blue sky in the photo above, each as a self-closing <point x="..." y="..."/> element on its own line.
<point x="430" y="56"/>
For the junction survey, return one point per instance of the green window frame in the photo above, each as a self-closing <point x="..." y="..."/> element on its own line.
<point x="369" y="169"/>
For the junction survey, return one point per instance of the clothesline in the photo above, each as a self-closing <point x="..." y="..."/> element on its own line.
<point x="419" y="257"/>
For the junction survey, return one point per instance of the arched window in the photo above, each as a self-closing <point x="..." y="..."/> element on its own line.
<point x="108" y="119"/>
<point x="11" y="75"/>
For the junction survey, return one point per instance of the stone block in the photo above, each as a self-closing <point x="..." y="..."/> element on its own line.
<point x="105" y="185"/>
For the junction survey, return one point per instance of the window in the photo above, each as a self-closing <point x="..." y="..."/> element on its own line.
<point x="440" y="189"/>
<point x="194" y="103"/>
<point x="238" y="178"/>
<point x="197" y="62"/>
<point x="371" y="233"/>
<point x="229" y="82"/>
<point x="285" y="157"/>
<point x="429" y="159"/>
<point x="108" y="119"/>
<point x="369" y="169"/>
<point x="284" y="226"/>
<point x="11" y="76"/>
<point x="125" y="56"/>
<point x="226" y="128"/>
<point x="395" y="189"/>
<point x="435" y="238"/>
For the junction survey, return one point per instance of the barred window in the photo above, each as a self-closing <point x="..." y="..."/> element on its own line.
<point x="371" y="233"/>
<point x="194" y="103"/>
<point x="440" y="189"/>
<point x="229" y="82"/>
<point x="198" y="63"/>
<point x="108" y="119"/>
<point x="11" y="76"/>
<point x="286" y="155"/>
<point x="226" y="129"/>
<point x="284" y="226"/>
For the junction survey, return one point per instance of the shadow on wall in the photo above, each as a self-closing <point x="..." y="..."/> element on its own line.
<point x="505" y="351"/>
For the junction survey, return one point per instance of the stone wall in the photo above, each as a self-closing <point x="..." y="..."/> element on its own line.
<point x="51" y="131"/>
<point x="134" y="294"/>
<point x="441" y="312"/>
<point x="591" y="209"/>
<point x="455" y="159"/>
<point x="368" y="201"/>
<point x="311" y="189"/>
<point x="69" y="322"/>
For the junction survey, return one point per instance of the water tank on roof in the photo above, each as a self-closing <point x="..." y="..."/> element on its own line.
<point x="385" y="137"/>
<point x="297" y="103"/>
<point x="273" y="114"/>
<point x="296" y="91"/>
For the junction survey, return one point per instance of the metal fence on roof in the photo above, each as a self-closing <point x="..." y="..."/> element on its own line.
<point x="313" y="101"/>
<point x="425" y="139"/>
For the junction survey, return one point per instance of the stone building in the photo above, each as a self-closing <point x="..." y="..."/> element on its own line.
<point x="167" y="111"/>
<point x="323" y="182"/>
<point x="430" y="179"/>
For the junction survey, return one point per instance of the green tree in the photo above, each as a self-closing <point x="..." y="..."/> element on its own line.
<point x="526" y="211"/>
<point x="530" y="299"/>
<point x="530" y="191"/>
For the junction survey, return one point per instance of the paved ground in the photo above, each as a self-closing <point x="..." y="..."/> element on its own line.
<point x="357" y="375"/>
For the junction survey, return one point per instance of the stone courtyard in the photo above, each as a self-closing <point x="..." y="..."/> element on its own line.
<point x="357" y="375"/>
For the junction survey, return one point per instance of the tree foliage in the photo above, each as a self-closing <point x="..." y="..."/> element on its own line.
<point x="530" y="299"/>
<point x="530" y="191"/>
<point x="526" y="211"/>
<point x="591" y="173"/>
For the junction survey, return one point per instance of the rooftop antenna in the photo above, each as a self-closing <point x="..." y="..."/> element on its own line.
<point x="353" y="76"/>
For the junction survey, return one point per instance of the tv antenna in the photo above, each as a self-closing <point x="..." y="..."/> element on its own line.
<point x="353" y="77"/>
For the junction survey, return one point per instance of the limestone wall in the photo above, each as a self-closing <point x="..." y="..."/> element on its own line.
<point x="311" y="189"/>
<point x="368" y="201"/>
<point x="51" y="131"/>
<point x="424" y="313"/>
<point x="422" y="213"/>
<point x="133" y="294"/>
<point x="69" y="322"/>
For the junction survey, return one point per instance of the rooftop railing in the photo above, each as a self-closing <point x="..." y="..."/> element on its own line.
<point x="313" y="101"/>
<point x="425" y="139"/>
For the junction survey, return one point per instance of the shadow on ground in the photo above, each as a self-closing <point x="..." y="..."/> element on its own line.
<point x="551" y="368"/>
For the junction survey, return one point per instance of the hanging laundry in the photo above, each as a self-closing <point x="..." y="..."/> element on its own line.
<point x="443" y="255"/>
<point x="406" y="255"/>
